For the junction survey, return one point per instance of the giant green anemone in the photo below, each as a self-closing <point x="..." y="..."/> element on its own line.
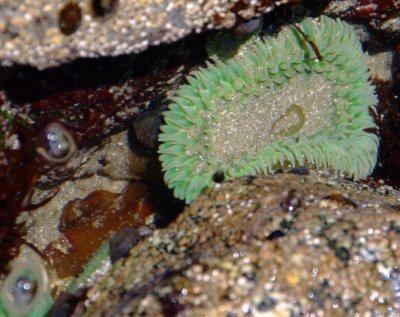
<point x="300" y="98"/>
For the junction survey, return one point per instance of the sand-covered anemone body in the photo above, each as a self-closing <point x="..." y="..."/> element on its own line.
<point x="277" y="105"/>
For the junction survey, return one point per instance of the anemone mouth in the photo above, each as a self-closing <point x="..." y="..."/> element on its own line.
<point x="274" y="105"/>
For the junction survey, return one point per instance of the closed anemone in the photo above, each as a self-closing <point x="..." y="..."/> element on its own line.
<point x="275" y="104"/>
<point x="57" y="144"/>
<point x="25" y="291"/>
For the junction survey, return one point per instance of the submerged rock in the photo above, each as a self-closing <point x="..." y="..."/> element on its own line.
<point x="236" y="251"/>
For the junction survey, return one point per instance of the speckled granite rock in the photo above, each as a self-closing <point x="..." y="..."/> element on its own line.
<point x="46" y="33"/>
<point x="286" y="245"/>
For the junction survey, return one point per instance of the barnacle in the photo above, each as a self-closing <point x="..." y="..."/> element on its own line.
<point x="276" y="105"/>
<point x="69" y="18"/>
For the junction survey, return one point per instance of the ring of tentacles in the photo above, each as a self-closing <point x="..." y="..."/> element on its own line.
<point x="279" y="104"/>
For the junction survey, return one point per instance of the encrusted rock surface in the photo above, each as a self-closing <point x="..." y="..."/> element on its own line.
<point x="285" y="245"/>
<point x="382" y="15"/>
<point x="46" y="33"/>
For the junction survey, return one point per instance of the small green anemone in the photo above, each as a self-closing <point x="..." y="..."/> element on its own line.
<point x="26" y="290"/>
<point x="280" y="104"/>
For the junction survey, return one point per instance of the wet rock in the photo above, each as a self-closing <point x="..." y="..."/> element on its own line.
<point x="46" y="33"/>
<point x="66" y="304"/>
<point x="389" y="122"/>
<point x="143" y="132"/>
<point x="291" y="200"/>
<point x="126" y="238"/>
<point x="299" y="170"/>
<point x="336" y="256"/>
<point x="380" y="66"/>
<point x="17" y="175"/>
<point x="383" y="15"/>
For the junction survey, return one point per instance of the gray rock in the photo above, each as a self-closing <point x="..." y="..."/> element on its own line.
<point x="240" y="251"/>
<point x="46" y="33"/>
